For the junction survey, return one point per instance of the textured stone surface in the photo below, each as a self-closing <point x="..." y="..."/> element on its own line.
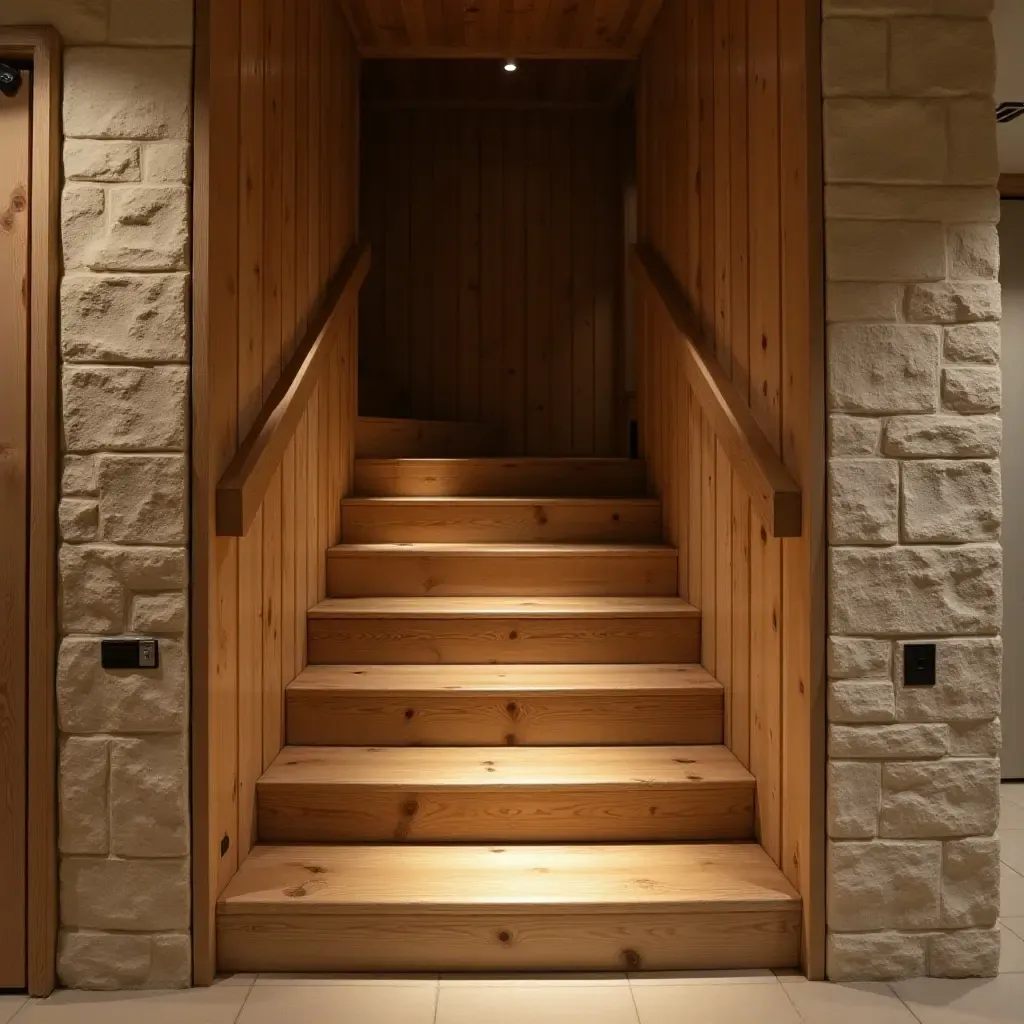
<point x="130" y="318"/>
<point x="972" y="343"/>
<point x="878" y="368"/>
<point x="879" y="885"/>
<point x="158" y="613"/>
<point x="971" y="389"/>
<point x="105" y="961"/>
<point x="91" y="160"/>
<point x="84" y="776"/>
<point x="853" y="301"/>
<point x="79" y="520"/>
<point x="121" y="408"/>
<point x="878" y="741"/>
<point x="924" y="437"/>
<point x="167" y="23"/>
<point x="975" y="739"/>
<point x="949" y="204"/>
<point x="80" y="475"/>
<point x="970" y="883"/>
<point x="855" y="57"/>
<point x="941" y="57"/>
<point x="858" y="250"/>
<point x="854" y="795"/>
<point x="115" y="93"/>
<point x="149" y="797"/>
<point x="861" y="701"/>
<point x="973" y="155"/>
<point x="142" y="499"/>
<point x="167" y="161"/>
<point x="916" y="591"/>
<point x="964" y="954"/>
<point x="854" y="435"/>
<point x="881" y="956"/>
<point x="863" y="501"/>
<point x="957" y="797"/>
<point x="850" y="658"/>
<point x="951" y="501"/>
<point x="952" y="302"/>
<point x="968" y="672"/>
<point x="124" y="895"/>
<point x="973" y="252"/>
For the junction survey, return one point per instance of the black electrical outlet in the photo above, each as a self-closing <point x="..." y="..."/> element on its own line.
<point x="919" y="664"/>
<point x="129" y="654"/>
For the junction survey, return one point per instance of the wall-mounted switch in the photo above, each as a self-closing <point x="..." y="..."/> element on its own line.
<point x="919" y="664"/>
<point x="129" y="654"/>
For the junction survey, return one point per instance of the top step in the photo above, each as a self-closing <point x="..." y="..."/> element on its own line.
<point x="379" y="437"/>
<point x="524" y="477"/>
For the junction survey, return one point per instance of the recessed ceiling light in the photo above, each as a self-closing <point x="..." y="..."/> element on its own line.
<point x="510" y="65"/>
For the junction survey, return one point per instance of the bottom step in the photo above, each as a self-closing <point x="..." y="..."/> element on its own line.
<point x="518" y="908"/>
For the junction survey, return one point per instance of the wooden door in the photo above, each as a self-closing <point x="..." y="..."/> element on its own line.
<point x="15" y="130"/>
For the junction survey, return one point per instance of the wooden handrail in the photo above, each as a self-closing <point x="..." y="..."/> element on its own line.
<point x="244" y="484"/>
<point x="775" y="494"/>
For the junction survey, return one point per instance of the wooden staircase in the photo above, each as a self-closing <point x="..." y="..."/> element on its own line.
<point x="503" y="754"/>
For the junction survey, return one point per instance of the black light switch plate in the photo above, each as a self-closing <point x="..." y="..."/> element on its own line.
<point x="129" y="654"/>
<point x="919" y="664"/>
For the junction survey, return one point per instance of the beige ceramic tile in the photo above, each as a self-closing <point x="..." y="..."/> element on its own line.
<point x="1012" y="807"/>
<point x="940" y="1001"/>
<point x="236" y="979"/>
<point x="1011" y="846"/>
<point x="340" y="1004"/>
<point x="322" y="980"/>
<point x="556" y="980"/>
<point x="1015" y="924"/>
<point x="9" y="1006"/>
<point x="790" y="975"/>
<point x="533" y="1002"/>
<point x="217" y="1005"/>
<point x="749" y="977"/>
<point x="714" y="1004"/>
<point x="1011" y="954"/>
<point x="1011" y="884"/>
<point x="823" y="1003"/>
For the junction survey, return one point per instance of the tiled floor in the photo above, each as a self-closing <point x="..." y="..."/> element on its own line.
<point x="723" y="998"/>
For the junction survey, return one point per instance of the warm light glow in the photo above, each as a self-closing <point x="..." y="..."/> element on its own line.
<point x="510" y="65"/>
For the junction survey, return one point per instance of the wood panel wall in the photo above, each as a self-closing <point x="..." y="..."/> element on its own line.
<point x="495" y="292"/>
<point x="276" y="211"/>
<point x="729" y="192"/>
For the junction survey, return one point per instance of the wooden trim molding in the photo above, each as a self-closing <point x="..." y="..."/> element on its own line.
<point x="42" y="46"/>
<point x="774" y="493"/>
<point x="242" y="488"/>
<point x="1011" y="186"/>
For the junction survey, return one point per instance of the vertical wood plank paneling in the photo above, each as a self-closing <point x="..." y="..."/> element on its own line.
<point x="584" y="221"/>
<point x="422" y="256"/>
<point x="538" y="293"/>
<point x="446" y="280"/>
<point x="514" y="281"/>
<point x="469" y="266"/>
<point x="492" y="261"/>
<point x="563" y="402"/>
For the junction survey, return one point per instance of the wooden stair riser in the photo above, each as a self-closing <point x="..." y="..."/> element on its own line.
<point x="383" y="438"/>
<point x="533" y="478"/>
<point x="555" y="640"/>
<point x="501" y="521"/>
<point x="480" y="718"/>
<point x="400" y="572"/>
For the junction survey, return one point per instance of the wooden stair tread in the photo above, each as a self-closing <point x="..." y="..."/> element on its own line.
<point x="681" y="878"/>
<point x="497" y="767"/>
<point x="518" y="678"/>
<point x="491" y="607"/>
<point x="511" y="501"/>
<point x="508" y="550"/>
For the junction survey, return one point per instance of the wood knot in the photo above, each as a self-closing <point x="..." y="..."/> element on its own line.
<point x="764" y="535"/>
<point x="510" y="739"/>
<point x="410" y="713"/>
<point x="512" y="708"/>
<point x="410" y="807"/>
<point x="631" y="958"/>
<point x="513" y="634"/>
<point x="504" y="937"/>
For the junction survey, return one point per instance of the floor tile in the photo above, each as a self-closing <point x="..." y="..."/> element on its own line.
<point x="1015" y="924"/>
<point x="821" y="1003"/>
<point x="714" y="1004"/>
<point x="237" y="979"/>
<point x="940" y="1001"/>
<point x="536" y="1003"/>
<point x="1011" y="814"/>
<point x="556" y="980"/>
<point x="217" y="1005"/>
<point x="750" y="977"/>
<point x="340" y="1004"/>
<point x="1011" y="848"/>
<point x="1011" y="953"/>
<point x="790" y="975"/>
<point x="9" y="1006"/>
<point x="1011" y="884"/>
<point x="325" y="980"/>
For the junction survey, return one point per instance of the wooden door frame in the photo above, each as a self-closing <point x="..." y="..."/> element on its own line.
<point x="42" y="46"/>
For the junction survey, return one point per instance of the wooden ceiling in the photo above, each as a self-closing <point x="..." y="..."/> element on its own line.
<point x="577" y="29"/>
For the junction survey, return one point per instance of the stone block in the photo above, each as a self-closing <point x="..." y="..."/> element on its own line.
<point x="152" y="569"/>
<point x="854" y="793"/>
<point x="83" y="780"/>
<point x="865" y="250"/>
<point x="949" y="204"/>
<point x="951" y="501"/>
<point x="103" y="962"/>
<point x="883" y="885"/>
<point x="970" y="883"/>
<point x="973" y="156"/>
<point x="79" y="476"/>
<point x="920" y="591"/>
<point x="957" y="437"/>
<point x="855" y="55"/>
<point x="172" y="962"/>
<point x="854" y="435"/>
<point x="91" y="699"/>
<point x="83" y="223"/>
<point x="957" y="797"/>
<point x="883" y="368"/>
<point x="94" y="160"/>
<point x="78" y="21"/>
<point x="866" y="141"/>
<point x="971" y="953"/>
<point x="113" y="93"/>
<point x="973" y="343"/>
<point x="855" y="302"/>
<point x="120" y="408"/>
<point x="124" y="895"/>
<point x="863" y="501"/>
<point x="854" y="742"/>
<point x="167" y="161"/>
<point x="92" y="598"/>
<point x="861" y="701"/>
<point x="972" y="388"/>
<point x="143" y="499"/>
<point x="168" y="23"/>
<point x="149" y="797"/>
<point x="159" y="613"/>
<point x="878" y="956"/>
<point x="968" y="674"/>
<point x="858" y="658"/>
<point x="954" y="302"/>
<point x="146" y="228"/>
<point x="975" y="739"/>
<point x="973" y="252"/>
<point x="942" y="57"/>
<point x="124" y="318"/>
<point x="79" y="520"/>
